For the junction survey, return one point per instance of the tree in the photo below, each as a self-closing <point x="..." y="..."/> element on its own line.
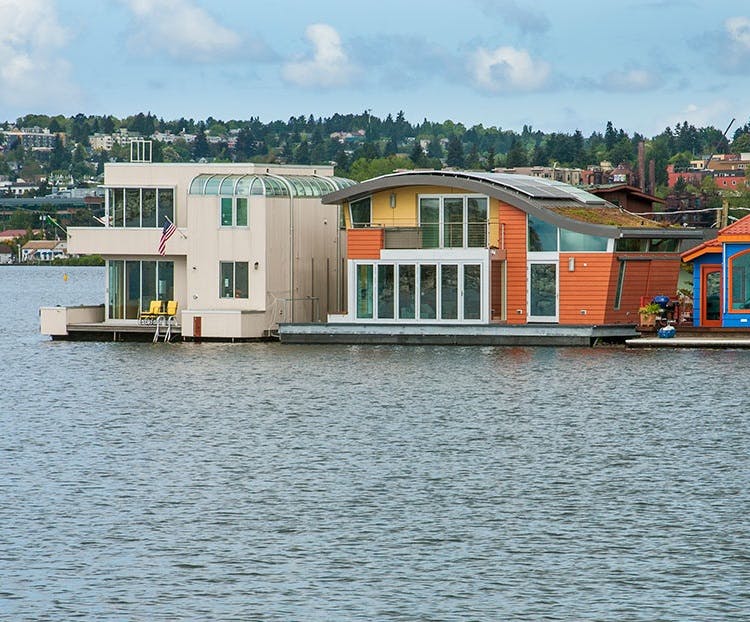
<point x="434" y="149"/>
<point x="516" y="155"/>
<point x="417" y="155"/>
<point x="200" y="145"/>
<point x="455" y="155"/>
<point x="490" y="162"/>
<point x="472" y="160"/>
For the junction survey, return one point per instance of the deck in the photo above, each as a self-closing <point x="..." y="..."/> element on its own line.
<point x="115" y="331"/>
<point x="454" y="334"/>
<point x="693" y="337"/>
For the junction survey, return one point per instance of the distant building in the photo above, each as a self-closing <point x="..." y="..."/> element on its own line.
<point x="43" y="250"/>
<point x="6" y="254"/>
<point x="35" y="138"/>
<point x="629" y="198"/>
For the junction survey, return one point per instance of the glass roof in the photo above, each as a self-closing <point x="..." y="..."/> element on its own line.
<point x="268" y="185"/>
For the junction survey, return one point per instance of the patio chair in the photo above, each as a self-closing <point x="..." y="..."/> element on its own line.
<point x="149" y="316"/>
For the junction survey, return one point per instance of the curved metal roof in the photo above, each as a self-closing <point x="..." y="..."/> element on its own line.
<point x="552" y="201"/>
<point x="267" y="185"/>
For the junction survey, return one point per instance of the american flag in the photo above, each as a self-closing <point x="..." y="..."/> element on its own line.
<point x="166" y="232"/>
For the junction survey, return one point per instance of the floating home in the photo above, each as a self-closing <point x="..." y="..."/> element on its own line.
<point x="721" y="278"/>
<point x="254" y="245"/>
<point x="473" y="248"/>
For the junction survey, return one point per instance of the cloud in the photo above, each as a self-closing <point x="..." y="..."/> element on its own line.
<point x="716" y="113"/>
<point x="32" y="70"/>
<point x="738" y="29"/>
<point x="185" y="32"/>
<point x="629" y="80"/>
<point x="506" y="70"/>
<point x="525" y="19"/>
<point x="329" y="66"/>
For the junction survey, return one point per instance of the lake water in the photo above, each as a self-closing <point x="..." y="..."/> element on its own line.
<point x="270" y="482"/>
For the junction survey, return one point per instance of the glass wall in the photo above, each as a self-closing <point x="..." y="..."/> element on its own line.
<point x="360" y="213"/>
<point x="453" y="221"/>
<point x="430" y="292"/>
<point x="140" y="207"/>
<point x="133" y="284"/>
<point x="544" y="237"/>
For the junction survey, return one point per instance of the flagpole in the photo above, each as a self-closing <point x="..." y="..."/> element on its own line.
<point x="184" y="237"/>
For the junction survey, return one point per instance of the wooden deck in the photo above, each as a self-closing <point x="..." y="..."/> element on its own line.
<point x="692" y="337"/>
<point x="116" y="331"/>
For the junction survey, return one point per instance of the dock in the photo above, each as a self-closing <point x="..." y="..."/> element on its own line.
<point x="693" y="337"/>
<point x="455" y="334"/>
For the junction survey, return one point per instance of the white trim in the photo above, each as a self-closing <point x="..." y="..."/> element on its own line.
<point x="543" y="318"/>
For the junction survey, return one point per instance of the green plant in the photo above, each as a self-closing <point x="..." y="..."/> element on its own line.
<point x="650" y="309"/>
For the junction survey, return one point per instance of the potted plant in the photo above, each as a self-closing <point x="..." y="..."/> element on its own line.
<point x="649" y="313"/>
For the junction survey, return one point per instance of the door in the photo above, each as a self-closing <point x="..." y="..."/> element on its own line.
<point x="542" y="292"/>
<point x="710" y="295"/>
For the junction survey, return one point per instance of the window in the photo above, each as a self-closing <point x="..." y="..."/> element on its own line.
<point x="620" y="283"/>
<point x="133" y="284"/>
<point x="233" y="279"/>
<point x="739" y="270"/>
<point x="360" y="213"/>
<point x="542" y="236"/>
<point x="139" y="207"/>
<point x="233" y="212"/>
<point x="571" y="241"/>
<point x="453" y="221"/>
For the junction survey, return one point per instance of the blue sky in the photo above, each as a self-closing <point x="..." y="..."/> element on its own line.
<point x="558" y="66"/>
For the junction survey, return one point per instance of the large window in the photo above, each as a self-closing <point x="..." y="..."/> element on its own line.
<point x="234" y="211"/>
<point x="133" y="284"/>
<point x="360" y="213"/>
<point x="544" y="237"/>
<point x="140" y="207"/>
<point x="739" y="269"/>
<point x="453" y="221"/>
<point x="233" y="279"/>
<point x="428" y="292"/>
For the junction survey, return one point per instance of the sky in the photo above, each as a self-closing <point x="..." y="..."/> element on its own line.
<point x="556" y="66"/>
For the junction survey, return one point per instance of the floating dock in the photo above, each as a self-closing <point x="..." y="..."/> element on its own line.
<point x="693" y="337"/>
<point x="460" y="335"/>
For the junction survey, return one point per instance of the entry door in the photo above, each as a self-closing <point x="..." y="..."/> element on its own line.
<point x="543" y="292"/>
<point x="710" y="295"/>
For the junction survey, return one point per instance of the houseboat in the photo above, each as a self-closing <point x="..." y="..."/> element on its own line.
<point x="473" y="248"/>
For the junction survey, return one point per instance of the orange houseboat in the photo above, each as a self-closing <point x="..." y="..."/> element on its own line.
<point x="462" y="247"/>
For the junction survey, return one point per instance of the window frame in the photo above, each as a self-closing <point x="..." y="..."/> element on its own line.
<point x="230" y="206"/>
<point x="233" y="284"/>
<point x="447" y="228"/>
<point x="360" y="224"/>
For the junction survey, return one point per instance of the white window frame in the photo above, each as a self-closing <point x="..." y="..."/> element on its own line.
<point x="465" y="219"/>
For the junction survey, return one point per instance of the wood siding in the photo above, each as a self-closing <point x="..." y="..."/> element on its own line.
<point x="364" y="243"/>
<point x="584" y="290"/>
<point x="512" y="236"/>
<point x="645" y="277"/>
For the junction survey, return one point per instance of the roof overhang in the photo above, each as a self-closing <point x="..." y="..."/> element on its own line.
<point x="485" y="184"/>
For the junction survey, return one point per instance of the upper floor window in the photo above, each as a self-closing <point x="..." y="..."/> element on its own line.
<point x="360" y="213"/>
<point x="545" y="237"/>
<point x="453" y="221"/>
<point x="234" y="211"/>
<point x="140" y="207"/>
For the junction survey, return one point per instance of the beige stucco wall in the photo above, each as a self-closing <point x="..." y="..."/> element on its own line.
<point x="294" y="245"/>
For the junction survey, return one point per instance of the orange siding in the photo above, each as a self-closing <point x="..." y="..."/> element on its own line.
<point x="585" y="288"/>
<point x="512" y="235"/>
<point x="644" y="278"/>
<point x="364" y="243"/>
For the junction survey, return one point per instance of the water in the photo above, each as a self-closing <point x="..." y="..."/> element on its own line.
<point x="269" y="482"/>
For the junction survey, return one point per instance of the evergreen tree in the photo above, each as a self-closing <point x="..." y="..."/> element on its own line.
<point x="434" y="149"/>
<point x="302" y="153"/>
<point x="490" y="162"/>
<point x="200" y="148"/>
<point x="417" y="155"/>
<point x="455" y="156"/>
<point x="516" y="155"/>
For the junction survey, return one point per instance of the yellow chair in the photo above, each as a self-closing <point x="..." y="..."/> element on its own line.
<point x="154" y="310"/>
<point x="171" y="309"/>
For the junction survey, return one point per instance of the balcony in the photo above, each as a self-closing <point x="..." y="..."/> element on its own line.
<point x="367" y="242"/>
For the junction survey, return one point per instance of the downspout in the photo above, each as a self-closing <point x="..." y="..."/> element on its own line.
<point x="291" y="239"/>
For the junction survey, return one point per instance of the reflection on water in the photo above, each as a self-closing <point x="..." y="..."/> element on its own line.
<point x="268" y="482"/>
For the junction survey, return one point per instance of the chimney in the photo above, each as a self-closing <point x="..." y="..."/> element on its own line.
<point x="642" y="165"/>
